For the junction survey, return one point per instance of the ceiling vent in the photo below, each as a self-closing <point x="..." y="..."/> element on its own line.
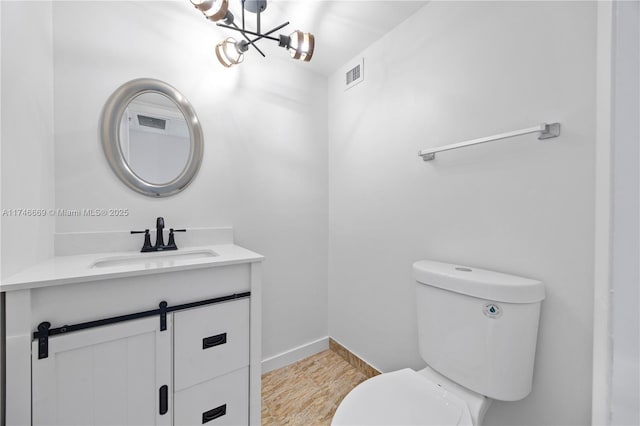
<point x="155" y="123"/>
<point x="355" y="74"/>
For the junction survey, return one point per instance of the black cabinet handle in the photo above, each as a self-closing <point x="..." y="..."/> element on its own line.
<point x="211" y="341"/>
<point x="214" y="414"/>
<point x="164" y="399"/>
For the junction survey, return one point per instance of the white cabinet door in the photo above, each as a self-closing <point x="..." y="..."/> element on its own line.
<point x="109" y="375"/>
<point x="223" y="401"/>
<point x="210" y="341"/>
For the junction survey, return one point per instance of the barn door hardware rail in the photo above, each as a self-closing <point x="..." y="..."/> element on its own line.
<point x="546" y="130"/>
<point x="45" y="331"/>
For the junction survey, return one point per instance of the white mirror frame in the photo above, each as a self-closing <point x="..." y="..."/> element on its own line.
<point x="110" y="135"/>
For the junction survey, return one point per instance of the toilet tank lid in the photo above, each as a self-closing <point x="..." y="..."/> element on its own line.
<point x="477" y="282"/>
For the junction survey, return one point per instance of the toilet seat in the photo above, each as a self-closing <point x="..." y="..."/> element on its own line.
<point x="403" y="397"/>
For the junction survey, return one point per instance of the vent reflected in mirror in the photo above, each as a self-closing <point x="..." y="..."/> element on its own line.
<point x="154" y="138"/>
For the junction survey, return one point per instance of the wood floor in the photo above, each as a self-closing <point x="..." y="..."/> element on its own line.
<point x="307" y="392"/>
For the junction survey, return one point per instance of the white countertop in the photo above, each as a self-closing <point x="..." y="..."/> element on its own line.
<point x="63" y="270"/>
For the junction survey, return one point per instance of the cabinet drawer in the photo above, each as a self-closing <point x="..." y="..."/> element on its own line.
<point x="210" y="341"/>
<point x="221" y="401"/>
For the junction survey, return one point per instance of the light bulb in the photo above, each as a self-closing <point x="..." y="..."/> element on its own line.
<point x="214" y="10"/>
<point x="301" y="45"/>
<point x="230" y="52"/>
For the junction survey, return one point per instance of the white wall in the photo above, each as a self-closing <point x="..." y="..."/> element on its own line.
<point x="451" y="72"/>
<point x="625" y="191"/>
<point x="157" y="157"/>
<point x="602" y="217"/>
<point x="265" y="159"/>
<point x="27" y="132"/>
<point x="26" y="142"/>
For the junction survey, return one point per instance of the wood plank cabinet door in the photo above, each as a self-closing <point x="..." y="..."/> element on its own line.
<point x="111" y="375"/>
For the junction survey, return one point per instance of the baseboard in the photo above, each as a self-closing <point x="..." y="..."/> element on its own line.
<point x="293" y="355"/>
<point x="303" y="351"/>
<point x="353" y="359"/>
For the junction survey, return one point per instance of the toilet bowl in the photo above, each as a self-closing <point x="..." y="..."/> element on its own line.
<point x="458" y="308"/>
<point x="408" y="397"/>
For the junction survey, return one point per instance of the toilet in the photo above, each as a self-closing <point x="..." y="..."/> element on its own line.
<point x="477" y="332"/>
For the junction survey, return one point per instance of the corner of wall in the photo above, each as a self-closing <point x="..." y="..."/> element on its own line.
<point x="601" y="382"/>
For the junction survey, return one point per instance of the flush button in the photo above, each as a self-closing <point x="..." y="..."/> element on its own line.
<point x="492" y="310"/>
<point x="460" y="268"/>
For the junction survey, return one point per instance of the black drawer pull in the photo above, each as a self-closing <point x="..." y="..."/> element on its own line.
<point x="209" y="342"/>
<point x="214" y="414"/>
<point x="164" y="399"/>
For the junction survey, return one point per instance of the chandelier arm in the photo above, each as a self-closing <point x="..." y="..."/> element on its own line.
<point x="271" y="31"/>
<point x="248" y="32"/>
<point x="258" y="21"/>
<point x="243" y="15"/>
<point x="235" y="27"/>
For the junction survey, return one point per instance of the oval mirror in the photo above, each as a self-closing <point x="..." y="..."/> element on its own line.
<point x="151" y="137"/>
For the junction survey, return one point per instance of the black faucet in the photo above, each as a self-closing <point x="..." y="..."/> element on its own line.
<point x="160" y="245"/>
<point x="159" y="233"/>
<point x="147" y="241"/>
<point x="171" y="245"/>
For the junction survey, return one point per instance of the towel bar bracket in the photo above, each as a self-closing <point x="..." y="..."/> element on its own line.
<point x="550" y="131"/>
<point x="428" y="157"/>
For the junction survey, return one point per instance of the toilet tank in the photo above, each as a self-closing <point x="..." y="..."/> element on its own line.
<point x="478" y="328"/>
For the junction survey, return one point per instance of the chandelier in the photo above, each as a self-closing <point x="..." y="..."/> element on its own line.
<point x="231" y="51"/>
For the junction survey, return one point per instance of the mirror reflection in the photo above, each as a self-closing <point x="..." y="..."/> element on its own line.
<point x="154" y="138"/>
<point x="151" y="137"/>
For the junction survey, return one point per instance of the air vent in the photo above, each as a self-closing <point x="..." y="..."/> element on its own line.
<point x="155" y="123"/>
<point x="355" y="74"/>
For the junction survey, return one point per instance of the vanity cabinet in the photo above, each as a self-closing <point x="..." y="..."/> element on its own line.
<point x="196" y="362"/>
<point x="121" y="374"/>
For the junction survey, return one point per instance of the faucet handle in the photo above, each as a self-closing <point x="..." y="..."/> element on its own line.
<point x="171" y="245"/>
<point x="147" y="240"/>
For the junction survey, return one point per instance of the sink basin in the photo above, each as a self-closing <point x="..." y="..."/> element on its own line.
<point x="154" y="260"/>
